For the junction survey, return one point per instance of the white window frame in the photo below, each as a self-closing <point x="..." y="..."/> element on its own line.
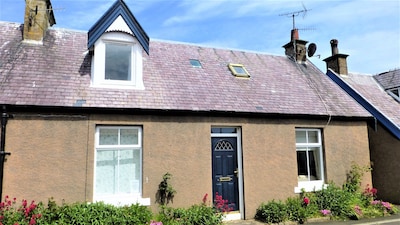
<point x="394" y="95"/>
<point x="120" y="199"/>
<point x="99" y="56"/>
<point x="312" y="185"/>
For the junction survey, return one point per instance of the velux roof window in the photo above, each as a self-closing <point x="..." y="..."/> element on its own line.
<point x="195" y="63"/>
<point x="238" y="70"/>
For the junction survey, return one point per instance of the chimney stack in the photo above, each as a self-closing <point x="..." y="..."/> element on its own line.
<point x="38" y="17"/>
<point x="296" y="48"/>
<point x="337" y="62"/>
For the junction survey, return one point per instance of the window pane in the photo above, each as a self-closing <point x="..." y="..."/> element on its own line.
<point x="223" y="130"/>
<point x="239" y="70"/>
<point x="129" y="168"/>
<point x="118" y="62"/>
<point x="313" y="156"/>
<point x="108" y="137"/>
<point x="129" y="136"/>
<point x="106" y="165"/>
<point x="301" y="136"/>
<point x="313" y="137"/>
<point x="302" y="165"/>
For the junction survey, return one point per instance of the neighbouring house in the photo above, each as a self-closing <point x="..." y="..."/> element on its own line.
<point x="103" y="115"/>
<point x="380" y="95"/>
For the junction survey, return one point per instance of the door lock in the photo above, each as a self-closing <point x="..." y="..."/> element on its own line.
<point x="236" y="172"/>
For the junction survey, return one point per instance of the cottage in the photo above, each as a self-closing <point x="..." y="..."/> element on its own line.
<point x="102" y="115"/>
<point x="380" y="95"/>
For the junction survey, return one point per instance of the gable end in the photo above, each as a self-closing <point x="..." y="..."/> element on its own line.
<point x="119" y="8"/>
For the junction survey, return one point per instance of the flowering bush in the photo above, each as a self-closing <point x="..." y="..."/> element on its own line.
<point x="203" y="214"/>
<point x="220" y="204"/>
<point x="370" y="192"/>
<point x="11" y="213"/>
<point x="346" y="202"/>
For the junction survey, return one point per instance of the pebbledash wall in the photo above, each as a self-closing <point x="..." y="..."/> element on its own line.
<point x="57" y="160"/>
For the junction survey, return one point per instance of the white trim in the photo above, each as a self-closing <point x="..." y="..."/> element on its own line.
<point x="119" y="24"/>
<point x="98" y="62"/>
<point x="309" y="186"/>
<point x="230" y="216"/>
<point x="312" y="185"/>
<point x="120" y="199"/>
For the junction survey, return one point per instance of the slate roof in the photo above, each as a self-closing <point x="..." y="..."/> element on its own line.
<point x="370" y="92"/>
<point x="57" y="73"/>
<point x="388" y="80"/>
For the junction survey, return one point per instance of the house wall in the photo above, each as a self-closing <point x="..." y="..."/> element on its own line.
<point x="385" y="155"/>
<point x="53" y="155"/>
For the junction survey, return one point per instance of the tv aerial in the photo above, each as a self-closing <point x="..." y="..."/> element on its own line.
<point x="312" y="48"/>
<point x="296" y="13"/>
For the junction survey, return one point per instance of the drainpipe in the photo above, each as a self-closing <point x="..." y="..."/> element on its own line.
<point x="4" y="119"/>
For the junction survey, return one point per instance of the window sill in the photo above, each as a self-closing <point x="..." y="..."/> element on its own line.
<point x="309" y="186"/>
<point x="118" y="86"/>
<point x="121" y="200"/>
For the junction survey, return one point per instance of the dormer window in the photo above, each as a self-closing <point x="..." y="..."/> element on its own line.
<point x="117" y="62"/>
<point x="395" y="93"/>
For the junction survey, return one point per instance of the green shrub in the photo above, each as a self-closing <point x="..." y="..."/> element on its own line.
<point x="295" y="210"/>
<point x="94" y="213"/>
<point x="194" y="215"/>
<point x="271" y="212"/>
<point x="336" y="200"/>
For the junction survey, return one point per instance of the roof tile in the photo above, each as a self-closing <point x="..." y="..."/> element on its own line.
<point x="57" y="73"/>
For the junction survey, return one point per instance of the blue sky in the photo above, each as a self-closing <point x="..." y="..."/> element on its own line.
<point x="367" y="30"/>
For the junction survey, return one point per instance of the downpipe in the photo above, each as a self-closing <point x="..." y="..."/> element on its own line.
<point x="4" y="119"/>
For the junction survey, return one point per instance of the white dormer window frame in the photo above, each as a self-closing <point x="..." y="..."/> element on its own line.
<point x="395" y="93"/>
<point x="133" y="79"/>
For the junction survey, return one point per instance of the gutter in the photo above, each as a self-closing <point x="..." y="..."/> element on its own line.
<point x="4" y="119"/>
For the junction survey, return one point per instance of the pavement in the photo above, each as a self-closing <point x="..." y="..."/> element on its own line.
<point x="387" y="220"/>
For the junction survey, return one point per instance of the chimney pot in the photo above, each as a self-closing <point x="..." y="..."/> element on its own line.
<point x="337" y="62"/>
<point x="295" y="34"/>
<point x="334" y="44"/>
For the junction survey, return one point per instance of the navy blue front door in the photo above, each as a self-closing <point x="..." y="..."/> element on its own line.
<point x="225" y="170"/>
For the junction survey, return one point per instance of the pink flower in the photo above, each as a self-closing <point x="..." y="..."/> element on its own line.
<point x="156" y="223"/>
<point x="325" y="212"/>
<point x="358" y="210"/>
<point x="387" y="205"/>
<point x="306" y="201"/>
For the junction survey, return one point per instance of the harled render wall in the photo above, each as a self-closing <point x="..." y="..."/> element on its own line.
<point x="385" y="156"/>
<point x="52" y="155"/>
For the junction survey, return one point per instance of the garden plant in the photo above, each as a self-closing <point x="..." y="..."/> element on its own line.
<point x="349" y="201"/>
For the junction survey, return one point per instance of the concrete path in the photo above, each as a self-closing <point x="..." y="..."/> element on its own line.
<point x="388" y="220"/>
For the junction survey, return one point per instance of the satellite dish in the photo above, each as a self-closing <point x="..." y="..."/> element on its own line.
<point x="311" y="49"/>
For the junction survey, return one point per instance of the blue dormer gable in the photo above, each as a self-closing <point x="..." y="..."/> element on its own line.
<point x="119" y="8"/>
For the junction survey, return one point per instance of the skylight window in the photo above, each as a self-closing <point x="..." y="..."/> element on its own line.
<point x="238" y="70"/>
<point x="195" y="63"/>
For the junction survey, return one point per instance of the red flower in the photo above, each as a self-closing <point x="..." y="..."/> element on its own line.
<point x="205" y="198"/>
<point x="306" y="201"/>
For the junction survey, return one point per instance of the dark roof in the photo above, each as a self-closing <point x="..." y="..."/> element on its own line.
<point x="388" y="80"/>
<point x="119" y="8"/>
<point x="57" y="73"/>
<point x="372" y="96"/>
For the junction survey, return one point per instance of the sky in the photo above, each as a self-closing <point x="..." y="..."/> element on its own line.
<point x="367" y="30"/>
